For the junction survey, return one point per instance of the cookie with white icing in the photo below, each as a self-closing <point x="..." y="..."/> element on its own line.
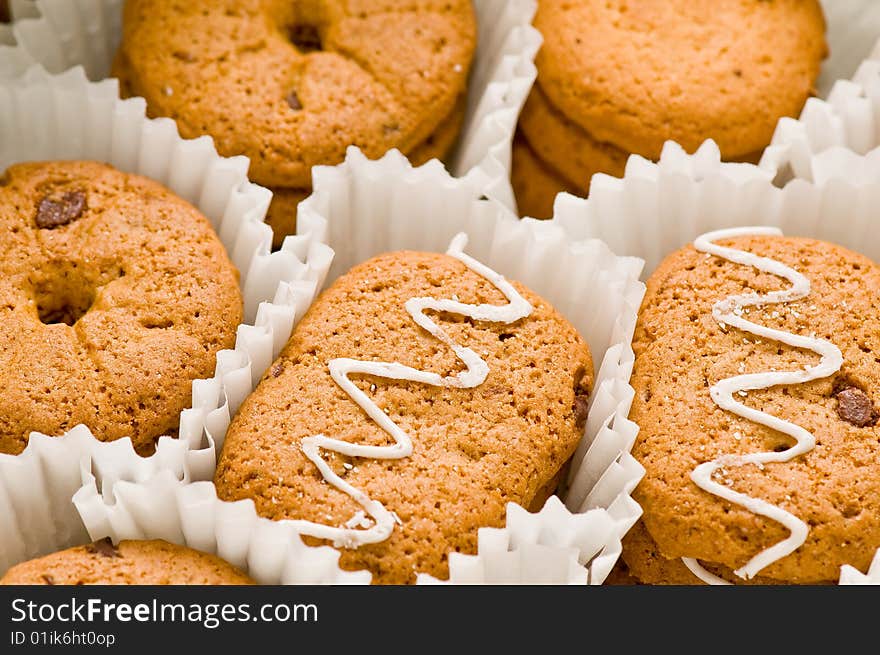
<point x="424" y="431"/>
<point x="756" y="381"/>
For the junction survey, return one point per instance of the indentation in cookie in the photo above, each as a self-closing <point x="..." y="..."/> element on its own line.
<point x="305" y="37"/>
<point x="64" y="292"/>
<point x="58" y="210"/>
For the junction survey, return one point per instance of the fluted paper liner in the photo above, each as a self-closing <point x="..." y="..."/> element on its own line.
<point x="67" y="117"/>
<point x="362" y="208"/>
<point x="657" y="208"/>
<point x="837" y="138"/>
<point x="852" y="576"/>
<point x="60" y="34"/>
<point x="164" y="507"/>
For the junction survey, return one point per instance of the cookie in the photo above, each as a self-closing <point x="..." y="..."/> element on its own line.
<point x="445" y="460"/>
<point x="565" y="146"/>
<point x="724" y="486"/>
<point x="644" y="564"/>
<point x="291" y="85"/>
<point x="535" y="184"/>
<point x="635" y="73"/>
<point x="115" y="295"/>
<point x="128" y="563"/>
<point x="282" y="211"/>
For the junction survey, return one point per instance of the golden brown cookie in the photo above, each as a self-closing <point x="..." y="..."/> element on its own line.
<point x="474" y="449"/>
<point x="682" y="351"/>
<point x="128" y="563"/>
<point x="644" y="564"/>
<point x="292" y="84"/>
<point x="282" y="210"/>
<point x="115" y="295"/>
<point x="635" y="73"/>
<point x="535" y="184"/>
<point x="565" y="146"/>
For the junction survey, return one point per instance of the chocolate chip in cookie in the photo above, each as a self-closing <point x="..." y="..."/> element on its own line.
<point x="855" y="406"/>
<point x="104" y="547"/>
<point x="56" y="212"/>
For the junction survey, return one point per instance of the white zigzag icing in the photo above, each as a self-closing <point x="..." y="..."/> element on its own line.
<point x="729" y="312"/>
<point x="474" y="375"/>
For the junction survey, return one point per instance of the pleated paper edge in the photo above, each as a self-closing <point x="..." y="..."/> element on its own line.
<point x="60" y="34"/>
<point x="603" y="472"/>
<point x="659" y="207"/>
<point x="557" y="545"/>
<point x="837" y="138"/>
<point x="277" y="287"/>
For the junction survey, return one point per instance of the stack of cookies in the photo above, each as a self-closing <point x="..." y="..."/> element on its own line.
<point x="292" y="85"/>
<point x="622" y="77"/>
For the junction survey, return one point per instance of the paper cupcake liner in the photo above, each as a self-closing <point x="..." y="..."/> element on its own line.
<point x="552" y="546"/>
<point x="164" y="507"/>
<point x="833" y="138"/>
<point x="852" y="576"/>
<point x="362" y="208"/>
<point x="67" y="117"/>
<point x="657" y="208"/>
<point x="60" y="34"/>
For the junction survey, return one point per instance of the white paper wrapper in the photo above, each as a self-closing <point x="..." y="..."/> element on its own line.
<point x="60" y="34"/>
<point x="362" y="208"/>
<point x="656" y="208"/>
<point x="164" y="507"/>
<point x="852" y="576"/>
<point x="833" y="138"/>
<point x="552" y="546"/>
<point x="67" y="117"/>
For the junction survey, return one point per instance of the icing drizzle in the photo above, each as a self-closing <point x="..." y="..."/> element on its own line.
<point x="474" y="375"/>
<point x="729" y="312"/>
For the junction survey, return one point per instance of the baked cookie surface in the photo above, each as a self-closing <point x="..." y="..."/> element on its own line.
<point x="128" y="563"/>
<point x="635" y="73"/>
<point x="473" y="449"/>
<point x="568" y="148"/>
<point x="292" y="84"/>
<point x="282" y="211"/>
<point x="682" y="352"/>
<point x="115" y="295"/>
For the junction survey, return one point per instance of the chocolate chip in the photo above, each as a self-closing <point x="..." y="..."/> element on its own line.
<point x="277" y="369"/>
<point x="293" y="101"/>
<point x="103" y="547"/>
<point x="504" y="336"/>
<point x="48" y="579"/>
<point x="55" y="212"/>
<point x="306" y="38"/>
<point x="855" y="407"/>
<point x="581" y="409"/>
